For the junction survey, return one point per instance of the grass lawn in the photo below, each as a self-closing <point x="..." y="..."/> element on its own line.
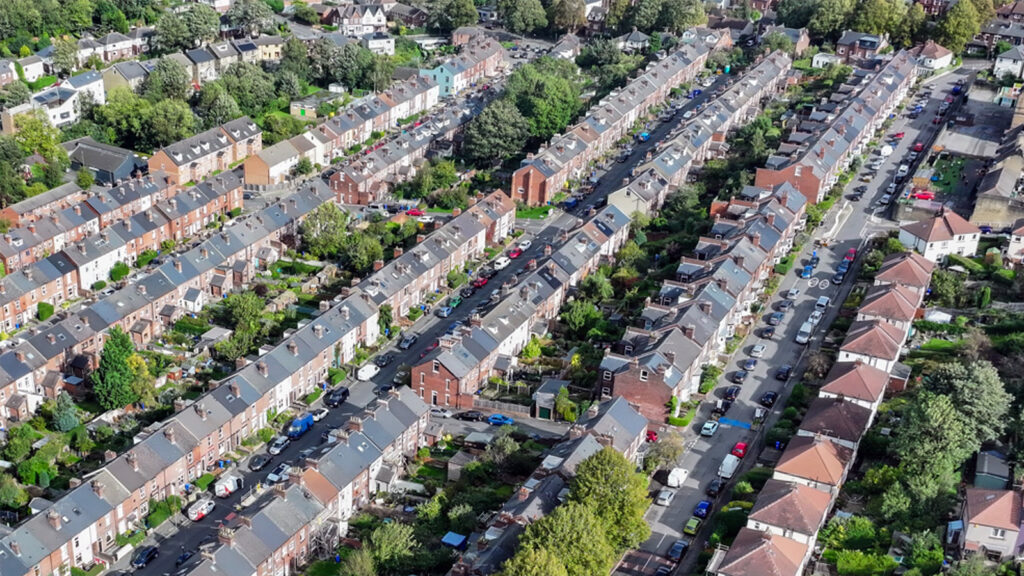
<point x="322" y="568"/>
<point x="504" y="492"/>
<point x="939" y="345"/>
<point x="534" y="213"/>
<point x="204" y="481"/>
<point x="949" y="171"/>
<point x="431" y="473"/>
<point x="438" y="211"/>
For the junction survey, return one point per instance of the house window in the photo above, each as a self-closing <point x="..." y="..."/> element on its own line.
<point x="607" y="375"/>
<point x="436" y="366"/>
<point x="999" y="533"/>
<point x="643" y="375"/>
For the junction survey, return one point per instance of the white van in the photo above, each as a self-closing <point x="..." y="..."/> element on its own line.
<point x="804" y="335"/>
<point x="729" y="466"/>
<point x="677" y="477"/>
<point x="823" y="303"/>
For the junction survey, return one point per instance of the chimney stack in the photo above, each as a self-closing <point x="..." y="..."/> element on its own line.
<point x="200" y="410"/>
<point x="54" y="519"/>
<point x="98" y="488"/>
<point x="169" y="434"/>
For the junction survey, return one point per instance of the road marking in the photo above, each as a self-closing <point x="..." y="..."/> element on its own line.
<point x="811" y="283"/>
<point x="824" y="284"/>
<point x="734" y="423"/>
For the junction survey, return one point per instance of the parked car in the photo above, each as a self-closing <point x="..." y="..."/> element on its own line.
<point x="278" y="445"/>
<point x="678" y="550"/>
<point x="515" y="253"/>
<point x="838" y="277"/>
<point x="259" y="462"/>
<point x="440" y="412"/>
<point x="739" y="450"/>
<point x="336" y="397"/>
<point x="758" y="351"/>
<point x="806" y="272"/>
<point x="784" y="372"/>
<point x="768" y="332"/>
<point x="775" y="318"/>
<point x="468" y="291"/>
<point x="692" y="526"/>
<point x="749" y="364"/>
<point x="525" y="245"/>
<point x="367" y="372"/>
<point x="383" y="360"/>
<point x="815" y="317"/>
<point x="471" y="416"/>
<point x="201" y="509"/>
<point x="183" y="557"/>
<point x="500" y="420"/>
<point x="714" y="487"/>
<point x="454" y="301"/>
<point x="702" y="509"/>
<point x="732" y="392"/>
<point x="709" y="428"/>
<point x="502" y="262"/>
<point x="488" y="272"/>
<point x="143" y="556"/>
<point x="408" y="341"/>
<point x="319" y="414"/>
<point x="480" y="282"/>
<point x="768" y="399"/>
<point x="665" y="497"/>
<point x="415" y="212"/>
<point x="739" y="376"/>
<point x="279" y="474"/>
<point x="785" y="305"/>
<point x="444" y="311"/>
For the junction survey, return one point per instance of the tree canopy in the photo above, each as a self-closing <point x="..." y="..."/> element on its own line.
<point x="325" y="229"/>
<point x="497" y="133"/>
<point x="522" y="16"/>
<point x="112" y="380"/>
<point x="612" y="482"/>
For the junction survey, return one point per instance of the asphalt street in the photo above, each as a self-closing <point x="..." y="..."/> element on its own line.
<point x="849" y="225"/>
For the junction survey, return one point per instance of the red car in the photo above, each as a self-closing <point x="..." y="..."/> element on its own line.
<point x="739" y="450"/>
<point x="515" y="253"/>
<point x="652" y="436"/>
<point x="851" y="254"/>
<point x="428" y="349"/>
<point x="898" y="135"/>
<point x="919" y="146"/>
<point x="479" y="282"/>
<point x="415" y="212"/>
<point x="936" y="120"/>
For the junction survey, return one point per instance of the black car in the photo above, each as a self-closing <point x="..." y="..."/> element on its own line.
<point x="259" y="462"/>
<point x="467" y="291"/>
<point x="721" y="408"/>
<point x="183" y="557"/>
<point x="143" y="556"/>
<point x="784" y="372"/>
<point x="749" y="364"/>
<point x="714" y="487"/>
<point x="732" y="392"/>
<point x="768" y="332"/>
<point x="488" y="272"/>
<point x="326" y="434"/>
<point x="383" y="360"/>
<point x="814" y="261"/>
<point x="678" y="550"/>
<point x="838" y="277"/>
<point x="739" y="376"/>
<point x="336" y="397"/>
<point x="768" y="399"/>
<point x="775" y="318"/>
<point x="471" y="416"/>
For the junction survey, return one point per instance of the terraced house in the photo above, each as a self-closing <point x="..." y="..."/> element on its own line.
<point x="215" y="150"/>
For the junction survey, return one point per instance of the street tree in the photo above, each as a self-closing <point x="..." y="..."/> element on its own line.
<point x="666" y="451"/>
<point x="251" y="16"/>
<point x="497" y="133"/>
<point x="65" y="414"/>
<point x="167" y="79"/>
<point x="576" y="536"/>
<point x="522" y="16"/>
<point x="611" y="482"/>
<point x="324" y="230"/>
<point x="566" y="15"/>
<point x="447" y="15"/>
<point x="534" y="562"/>
<point x="979" y="395"/>
<point x="112" y="380"/>
<point x="957" y="26"/>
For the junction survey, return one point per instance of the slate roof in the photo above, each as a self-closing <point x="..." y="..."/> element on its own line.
<point x="617" y="420"/>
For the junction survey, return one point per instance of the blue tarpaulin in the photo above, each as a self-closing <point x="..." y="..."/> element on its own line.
<point x="453" y="540"/>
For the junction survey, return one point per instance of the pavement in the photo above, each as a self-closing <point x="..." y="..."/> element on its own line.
<point x="849" y="225"/>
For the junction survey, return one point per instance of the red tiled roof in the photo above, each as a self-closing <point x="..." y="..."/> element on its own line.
<point x="994" y="508"/>
<point x="892" y="301"/>
<point x="907" y="268"/>
<point x="756" y="553"/>
<point x="945" y="225"/>
<point x="856" y="380"/>
<point x="873" y="338"/>
<point x="790" y="506"/>
<point x="815" y="459"/>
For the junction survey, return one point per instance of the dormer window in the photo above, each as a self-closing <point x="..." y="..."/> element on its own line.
<point x="643" y="375"/>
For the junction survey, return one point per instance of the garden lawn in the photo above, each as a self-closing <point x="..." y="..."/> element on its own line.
<point x="534" y="213"/>
<point x="949" y="171"/>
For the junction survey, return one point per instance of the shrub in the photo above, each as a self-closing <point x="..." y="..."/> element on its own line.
<point x="265" y="434"/>
<point x="100" y="285"/>
<point x="145" y="258"/>
<point x="743" y="488"/>
<point x="1004" y="276"/>
<point x="757" y="477"/>
<point x="966" y="263"/>
<point x="119" y="271"/>
<point x="709" y="376"/>
<point x="685" y="419"/>
<point x="44" y="311"/>
<point x="235" y="212"/>
<point x="336" y="375"/>
<point x="415" y="314"/>
<point x="784" y="265"/>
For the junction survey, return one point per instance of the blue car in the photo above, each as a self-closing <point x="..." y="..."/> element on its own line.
<point x="500" y="420"/>
<point x="702" y="509"/>
<point x="807" y="271"/>
<point x="843" y="267"/>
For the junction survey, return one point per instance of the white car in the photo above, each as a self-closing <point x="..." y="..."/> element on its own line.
<point x="319" y="414"/>
<point x="525" y="245"/>
<point x="278" y="444"/>
<point x="757" y="351"/>
<point x="425" y="219"/>
<point x="201" y="509"/>
<point x="502" y="263"/>
<point x="792" y="293"/>
<point x="367" y="372"/>
<point x="665" y="497"/>
<point x="688" y="114"/>
<point x="279" y="474"/>
<point x="815" y="317"/>
<point x="440" y="412"/>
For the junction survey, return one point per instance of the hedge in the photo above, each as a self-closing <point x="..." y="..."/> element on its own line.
<point x="145" y="258"/>
<point x="100" y="285"/>
<point x="685" y="420"/>
<point x="785" y="264"/>
<point x="970" y="265"/>
<point x="44" y="310"/>
<point x="119" y="271"/>
<point x="414" y="314"/>
<point x="204" y="481"/>
<point x="1004" y="276"/>
<point x="336" y="375"/>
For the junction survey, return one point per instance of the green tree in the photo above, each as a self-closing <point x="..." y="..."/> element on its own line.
<point x="973" y="565"/>
<point x="12" y="495"/>
<point x="385" y="318"/>
<point x="294" y="58"/>
<point x="957" y="26"/>
<point x="360" y="251"/>
<point x="931" y="442"/>
<point x="36" y="135"/>
<point x="251" y="16"/>
<point x="167" y="79"/>
<point x="645" y="14"/>
<point x="84" y="179"/>
<point x="534" y="562"/>
<point x="19" y="443"/>
<point x="522" y="16"/>
<point x="979" y="395"/>
<point x="795" y="13"/>
<point x="532" y="349"/>
<point x="575" y="535"/>
<point x="251" y="87"/>
<point x="65" y="57"/>
<point x="616" y="15"/>
<point x="777" y="41"/>
<point x="14" y="94"/>
<point x="65" y="415"/>
<point x="216" y="106"/>
<point x="497" y="133"/>
<point x="565" y="407"/>
<point x="666" y="451"/>
<point x="245" y="309"/>
<point x="143" y="382"/>
<point x="447" y="15"/>
<point x="829" y="17"/>
<point x="289" y="85"/>
<point x="611" y="482"/>
<point x="597" y="287"/>
<point x="112" y="380"/>
<point x="579" y="317"/>
<point x="169" y="121"/>
<point x="12" y="185"/>
<point x="545" y="96"/>
<point x="325" y="229"/>
<point x="679" y="15"/>
<point x="124" y="116"/>
<point x="392" y="544"/>
<point x="306" y="14"/>
<point x="566" y="14"/>
<point x="186" y="29"/>
<point x="947" y="288"/>
<point x="358" y="563"/>
<point x="303" y="167"/>
<point x="926" y="552"/>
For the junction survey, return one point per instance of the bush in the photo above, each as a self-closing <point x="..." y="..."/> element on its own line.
<point x="313" y="396"/>
<point x="145" y="258"/>
<point x="44" y="310"/>
<point x="785" y="265"/>
<point x="119" y="271"/>
<point x="966" y="263"/>
<point x="191" y="326"/>
<point x="1004" y="276"/>
<point x="266" y="434"/>
<point x="757" y="477"/>
<point x="951" y="329"/>
<point x="415" y="314"/>
<point x="235" y="212"/>
<point x="709" y="376"/>
<point x="336" y="375"/>
<point x="684" y="420"/>
<point x="100" y="285"/>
